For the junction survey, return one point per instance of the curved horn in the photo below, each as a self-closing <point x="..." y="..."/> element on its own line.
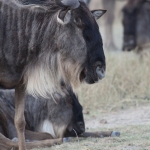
<point x="85" y="1"/>
<point x="73" y="4"/>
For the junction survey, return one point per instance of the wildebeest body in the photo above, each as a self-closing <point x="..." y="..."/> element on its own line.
<point x="22" y="33"/>
<point x="58" y="118"/>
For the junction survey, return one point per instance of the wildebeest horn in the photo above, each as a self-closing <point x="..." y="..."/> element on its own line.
<point x="68" y="3"/>
<point x="85" y="1"/>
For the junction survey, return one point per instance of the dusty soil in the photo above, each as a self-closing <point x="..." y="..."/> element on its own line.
<point x="132" y="116"/>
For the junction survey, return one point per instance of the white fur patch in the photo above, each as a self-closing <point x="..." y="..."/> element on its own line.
<point x="47" y="127"/>
<point x="57" y="131"/>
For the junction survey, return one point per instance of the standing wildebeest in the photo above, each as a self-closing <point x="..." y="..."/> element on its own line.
<point x="44" y="115"/>
<point x="46" y="47"/>
<point x="136" y="23"/>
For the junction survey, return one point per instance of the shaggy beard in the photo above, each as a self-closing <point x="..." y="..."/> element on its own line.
<point x="50" y="76"/>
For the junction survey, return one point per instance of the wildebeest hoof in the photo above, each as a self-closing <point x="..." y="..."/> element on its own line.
<point x="27" y="140"/>
<point x="115" y="134"/>
<point x="65" y="140"/>
<point x="15" y="139"/>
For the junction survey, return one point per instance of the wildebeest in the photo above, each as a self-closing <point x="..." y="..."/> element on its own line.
<point x="46" y="47"/>
<point x="44" y="115"/>
<point x="136" y="20"/>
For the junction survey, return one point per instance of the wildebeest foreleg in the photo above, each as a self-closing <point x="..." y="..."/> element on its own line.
<point x="40" y="139"/>
<point x="100" y="134"/>
<point x="7" y="144"/>
<point x="44" y="143"/>
<point x="19" y="114"/>
<point x="37" y="136"/>
<point x="109" y="20"/>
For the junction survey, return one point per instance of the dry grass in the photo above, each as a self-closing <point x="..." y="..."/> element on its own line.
<point x="127" y="79"/>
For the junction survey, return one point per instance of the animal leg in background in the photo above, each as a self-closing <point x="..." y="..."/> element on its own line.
<point x="109" y="20"/>
<point x="7" y="144"/>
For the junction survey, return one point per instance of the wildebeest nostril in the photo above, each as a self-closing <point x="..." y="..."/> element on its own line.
<point x="100" y="72"/>
<point x="81" y="126"/>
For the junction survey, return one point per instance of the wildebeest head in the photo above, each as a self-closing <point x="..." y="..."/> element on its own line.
<point x="74" y="48"/>
<point x="80" y="41"/>
<point x="77" y="125"/>
<point x="130" y="15"/>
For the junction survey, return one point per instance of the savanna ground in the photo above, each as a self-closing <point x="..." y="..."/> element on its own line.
<point x="120" y="102"/>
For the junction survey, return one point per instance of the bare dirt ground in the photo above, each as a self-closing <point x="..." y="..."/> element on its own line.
<point x="132" y="116"/>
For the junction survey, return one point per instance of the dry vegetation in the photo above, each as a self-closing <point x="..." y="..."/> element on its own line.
<point x="127" y="79"/>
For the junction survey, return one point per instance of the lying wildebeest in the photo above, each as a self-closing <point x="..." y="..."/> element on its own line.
<point x="136" y="20"/>
<point x="44" y="115"/>
<point x="47" y="46"/>
<point x="41" y="115"/>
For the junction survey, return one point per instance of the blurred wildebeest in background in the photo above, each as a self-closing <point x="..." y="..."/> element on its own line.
<point x="45" y="119"/>
<point x="46" y="46"/>
<point x="136" y="24"/>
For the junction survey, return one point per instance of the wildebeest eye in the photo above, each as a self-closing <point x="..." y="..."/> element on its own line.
<point x="78" y="22"/>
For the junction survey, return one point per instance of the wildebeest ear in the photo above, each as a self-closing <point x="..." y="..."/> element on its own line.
<point x="64" y="16"/>
<point x="98" y="13"/>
